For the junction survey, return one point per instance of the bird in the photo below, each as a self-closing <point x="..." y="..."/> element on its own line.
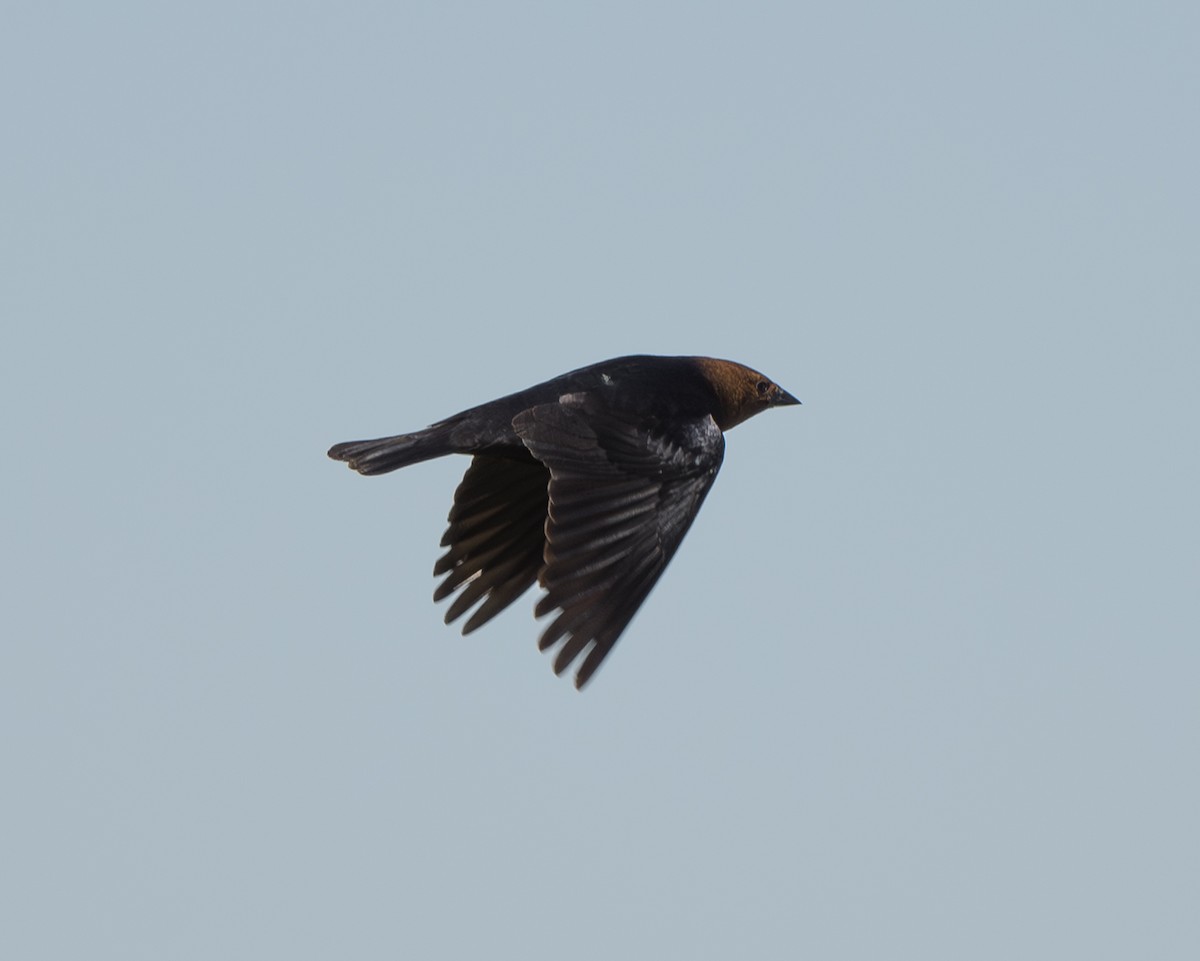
<point x="585" y="485"/>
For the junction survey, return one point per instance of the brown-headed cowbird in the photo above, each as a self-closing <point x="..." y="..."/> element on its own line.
<point x="585" y="484"/>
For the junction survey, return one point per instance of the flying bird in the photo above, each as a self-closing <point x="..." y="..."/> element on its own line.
<point x="585" y="484"/>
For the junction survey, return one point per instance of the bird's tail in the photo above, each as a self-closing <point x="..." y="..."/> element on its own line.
<point x="391" y="453"/>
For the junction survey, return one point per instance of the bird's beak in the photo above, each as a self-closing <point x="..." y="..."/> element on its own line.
<point x="782" y="398"/>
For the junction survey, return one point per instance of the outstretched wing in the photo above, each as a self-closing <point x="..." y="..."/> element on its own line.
<point x="623" y="492"/>
<point x="495" y="538"/>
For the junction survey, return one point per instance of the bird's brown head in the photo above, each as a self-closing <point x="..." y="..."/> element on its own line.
<point x="741" y="392"/>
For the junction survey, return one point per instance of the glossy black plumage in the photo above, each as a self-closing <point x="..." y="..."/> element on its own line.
<point x="585" y="484"/>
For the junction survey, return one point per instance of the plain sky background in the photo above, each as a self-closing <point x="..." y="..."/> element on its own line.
<point x="923" y="681"/>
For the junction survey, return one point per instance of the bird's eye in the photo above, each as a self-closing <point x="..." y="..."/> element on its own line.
<point x="763" y="387"/>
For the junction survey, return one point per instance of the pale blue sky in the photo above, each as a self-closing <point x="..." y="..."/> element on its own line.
<point x="923" y="681"/>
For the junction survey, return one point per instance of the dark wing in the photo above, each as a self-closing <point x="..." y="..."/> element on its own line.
<point x="623" y="492"/>
<point x="495" y="538"/>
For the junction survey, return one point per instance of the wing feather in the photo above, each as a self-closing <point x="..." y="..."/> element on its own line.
<point x="622" y="494"/>
<point x="495" y="537"/>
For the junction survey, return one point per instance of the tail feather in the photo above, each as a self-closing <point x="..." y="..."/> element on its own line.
<point x="391" y="453"/>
